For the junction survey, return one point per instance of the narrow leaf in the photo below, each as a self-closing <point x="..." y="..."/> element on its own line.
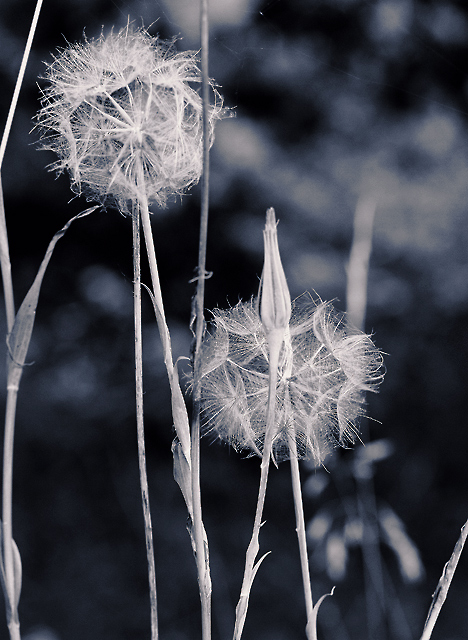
<point x="311" y="629"/>
<point x="18" y="572"/>
<point x="179" y="409"/>
<point x="20" y="336"/>
<point x="182" y="474"/>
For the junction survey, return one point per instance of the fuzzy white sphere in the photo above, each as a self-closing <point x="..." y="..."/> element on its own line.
<point x="324" y="368"/>
<point x="122" y="114"/>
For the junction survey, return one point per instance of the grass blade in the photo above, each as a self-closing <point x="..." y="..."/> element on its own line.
<point x="20" y="336"/>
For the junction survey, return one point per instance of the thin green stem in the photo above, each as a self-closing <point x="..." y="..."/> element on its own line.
<point x="311" y="631"/>
<point x="140" y="423"/>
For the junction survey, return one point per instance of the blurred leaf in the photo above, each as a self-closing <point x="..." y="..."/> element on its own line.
<point x="337" y="556"/>
<point x="372" y="452"/>
<point x="319" y="526"/>
<point x="411" y="567"/>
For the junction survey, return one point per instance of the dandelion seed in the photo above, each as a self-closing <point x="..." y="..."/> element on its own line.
<point x="122" y="114"/>
<point x="324" y="369"/>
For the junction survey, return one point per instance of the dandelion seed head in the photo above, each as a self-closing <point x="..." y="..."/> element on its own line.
<point x="324" y="369"/>
<point x="124" y="117"/>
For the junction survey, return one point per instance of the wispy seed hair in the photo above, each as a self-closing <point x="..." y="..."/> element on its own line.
<point x="325" y="367"/>
<point x="123" y="114"/>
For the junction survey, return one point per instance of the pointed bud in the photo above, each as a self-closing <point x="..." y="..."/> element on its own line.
<point x="274" y="298"/>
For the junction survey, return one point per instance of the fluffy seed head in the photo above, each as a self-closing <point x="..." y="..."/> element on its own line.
<point x="324" y="369"/>
<point x="122" y="114"/>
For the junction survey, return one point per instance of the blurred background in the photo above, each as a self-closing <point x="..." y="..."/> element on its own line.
<point x="336" y="101"/>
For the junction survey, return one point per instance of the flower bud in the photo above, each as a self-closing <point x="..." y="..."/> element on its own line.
<point x="274" y="298"/>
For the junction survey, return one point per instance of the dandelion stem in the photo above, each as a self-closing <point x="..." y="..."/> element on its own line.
<point x="140" y="423"/>
<point x="311" y="630"/>
<point x="181" y="425"/>
<point x="251" y="566"/>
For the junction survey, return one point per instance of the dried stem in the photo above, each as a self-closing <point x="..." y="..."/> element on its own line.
<point x="201" y="546"/>
<point x="19" y="80"/>
<point x="251" y="564"/>
<point x="443" y="586"/>
<point x="6" y="266"/>
<point x="311" y="630"/>
<point x="179" y="413"/>
<point x="11" y="564"/>
<point x="140" y="423"/>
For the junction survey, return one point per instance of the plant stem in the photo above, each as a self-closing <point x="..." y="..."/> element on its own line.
<point x="6" y="266"/>
<point x="19" y="80"/>
<point x="443" y="586"/>
<point x="251" y="566"/>
<point x="11" y="595"/>
<point x="12" y="582"/>
<point x="8" y="447"/>
<point x="140" y="423"/>
<point x="311" y="631"/>
<point x="199" y="536"/>
<point x="200" y="541"/>
<point x="356" y="301"/>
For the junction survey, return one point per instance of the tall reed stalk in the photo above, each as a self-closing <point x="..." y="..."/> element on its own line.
<point x="10" y="561"/>
<point x="200" y="538"/>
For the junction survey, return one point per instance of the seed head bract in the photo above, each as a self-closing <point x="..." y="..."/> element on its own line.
<point x="124" y="117"/>
<point x="324" y="369"/>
